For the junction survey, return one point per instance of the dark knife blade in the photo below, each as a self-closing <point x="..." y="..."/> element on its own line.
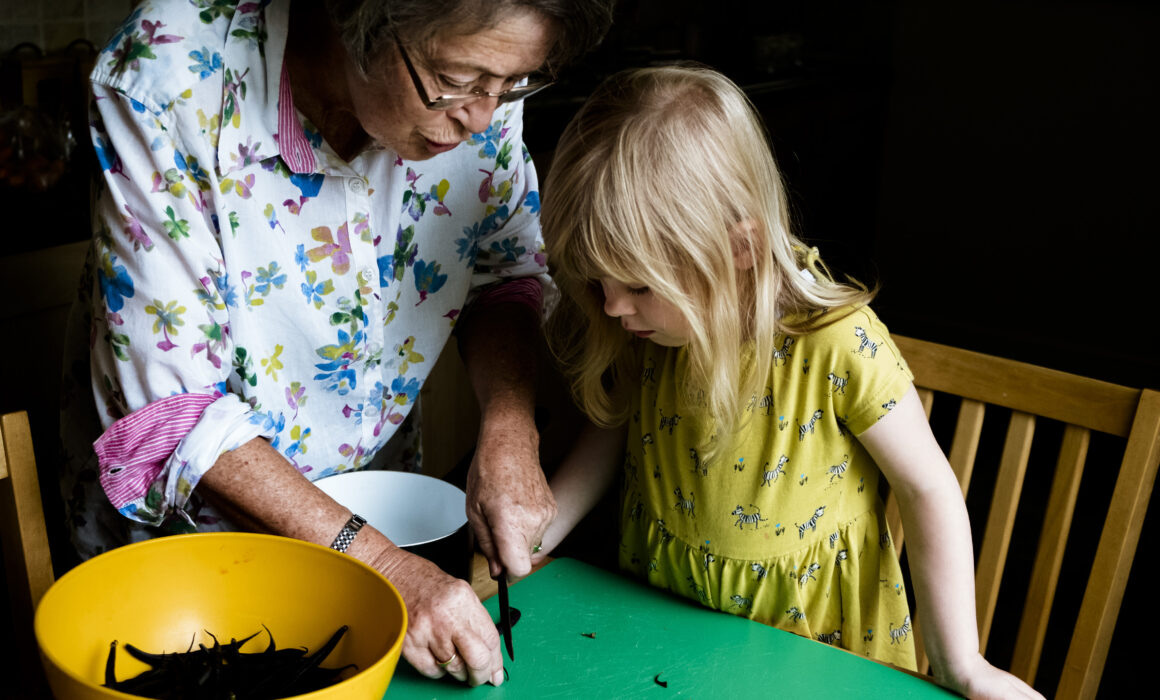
<point x="505" y="617"/>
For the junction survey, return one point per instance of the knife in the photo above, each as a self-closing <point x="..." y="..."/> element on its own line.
<point x="505" y="616"/>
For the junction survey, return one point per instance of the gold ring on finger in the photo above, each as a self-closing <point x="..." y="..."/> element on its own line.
<point x="443" y="664"/>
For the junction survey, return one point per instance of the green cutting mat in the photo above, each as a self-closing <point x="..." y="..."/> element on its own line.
<point x="641" y="632"/>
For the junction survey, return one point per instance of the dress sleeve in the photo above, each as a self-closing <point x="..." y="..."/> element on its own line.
<point x="865" y="373"/>
<point x="510" y="246"/>
<point x="161" y="324"/>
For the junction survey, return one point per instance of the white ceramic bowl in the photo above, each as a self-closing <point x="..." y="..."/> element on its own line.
<point x="410" y="509"/>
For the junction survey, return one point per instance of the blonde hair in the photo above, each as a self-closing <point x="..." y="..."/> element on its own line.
<point x="663" y="178"/>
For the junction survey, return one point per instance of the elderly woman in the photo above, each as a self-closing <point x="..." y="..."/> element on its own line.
<point x="299" y="202"/>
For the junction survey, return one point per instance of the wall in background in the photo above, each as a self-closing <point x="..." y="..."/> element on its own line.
<point x="47" y="48"/>
<point x="54" y="24"/>
<point x="1017" y="211"/>
<point x="1017" y="217"/>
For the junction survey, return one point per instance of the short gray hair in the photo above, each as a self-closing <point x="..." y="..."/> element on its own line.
<point x="367" y="26"/>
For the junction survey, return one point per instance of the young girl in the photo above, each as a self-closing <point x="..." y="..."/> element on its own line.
<point x="751" y="400"/>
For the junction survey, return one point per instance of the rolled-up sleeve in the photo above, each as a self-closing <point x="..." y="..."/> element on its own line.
<point x="162" y="352"/>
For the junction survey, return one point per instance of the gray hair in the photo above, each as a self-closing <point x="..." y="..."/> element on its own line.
<point x="368" y="26"/>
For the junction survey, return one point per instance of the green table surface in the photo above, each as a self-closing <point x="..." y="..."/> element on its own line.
<point x="641" y="632"/>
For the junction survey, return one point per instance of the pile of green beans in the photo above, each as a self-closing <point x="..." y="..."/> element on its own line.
<point x="225" y="672"/>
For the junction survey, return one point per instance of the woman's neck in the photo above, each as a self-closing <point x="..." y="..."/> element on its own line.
<point x="315" y="61"/>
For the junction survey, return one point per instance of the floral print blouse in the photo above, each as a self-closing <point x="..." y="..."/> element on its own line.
<point x="245" y="281"/>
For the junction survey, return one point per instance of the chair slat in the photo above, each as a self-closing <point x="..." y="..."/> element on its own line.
<point x="27" y="559"/>
<point x="25" y="537"/>
<point x="1109" y="574"/>
<point x="1049" y="557"/>
<point x="965" y="444"/>
<point x="926" y="396"/>
<point x="1001" y="520"/>
<point x="1068" y="398"/>
<point x="1085" y="405"/>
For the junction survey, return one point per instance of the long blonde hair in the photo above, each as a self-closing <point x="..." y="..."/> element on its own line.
<point x="663" y="178"/>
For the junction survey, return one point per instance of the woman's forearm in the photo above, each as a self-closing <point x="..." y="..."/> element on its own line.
<point x="258" y="489"/>
<point x="509" y="504"/>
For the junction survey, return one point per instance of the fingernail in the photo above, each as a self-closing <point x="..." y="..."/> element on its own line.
<point x="497" y="678"/>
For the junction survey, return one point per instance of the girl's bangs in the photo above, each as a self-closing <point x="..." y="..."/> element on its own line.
<point x="609" y="243"/>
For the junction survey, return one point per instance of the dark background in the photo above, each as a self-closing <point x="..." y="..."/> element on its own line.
<point x="991" y="165"/>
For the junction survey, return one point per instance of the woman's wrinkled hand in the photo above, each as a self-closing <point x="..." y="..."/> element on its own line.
<point x="509" y="504"/>
<point x="448" y="630"/>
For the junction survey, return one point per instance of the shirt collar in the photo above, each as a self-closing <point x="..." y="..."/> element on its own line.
<point x="252" y="133"/>
<point x="292" y="141"/>
<point x="252" y="75"/>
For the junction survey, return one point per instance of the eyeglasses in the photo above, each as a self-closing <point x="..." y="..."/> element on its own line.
<point x="446" y="102"/>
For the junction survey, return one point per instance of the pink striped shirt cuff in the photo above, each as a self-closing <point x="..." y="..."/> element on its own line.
<point x="133" y="451"/>
<point x="292" y="144"/>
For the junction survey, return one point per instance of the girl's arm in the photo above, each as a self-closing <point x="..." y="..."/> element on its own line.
<point x="938" y="535"/>
<point x="582" y="478"/>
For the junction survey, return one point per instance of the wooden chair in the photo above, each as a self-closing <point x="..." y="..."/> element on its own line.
<point x="1082" y="405"/>
<point x="27" y="559"/>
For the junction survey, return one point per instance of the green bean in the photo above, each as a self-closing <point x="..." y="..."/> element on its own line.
<point x="225" y="672"/>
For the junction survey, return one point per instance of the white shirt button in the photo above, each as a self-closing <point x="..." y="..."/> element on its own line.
<point x="357" y="185"/>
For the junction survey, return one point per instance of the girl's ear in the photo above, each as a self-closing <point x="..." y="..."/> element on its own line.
<point x="745" y="240"/>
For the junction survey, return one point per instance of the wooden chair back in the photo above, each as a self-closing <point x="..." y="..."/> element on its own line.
<point x="945" y="376"/>
<point x="27" y="559"/>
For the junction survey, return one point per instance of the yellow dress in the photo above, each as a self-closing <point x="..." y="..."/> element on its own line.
<point x="786" y="527"/>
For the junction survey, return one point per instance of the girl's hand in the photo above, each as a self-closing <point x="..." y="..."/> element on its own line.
<point x="980" y="680"/>
<point x="581" y="480"/>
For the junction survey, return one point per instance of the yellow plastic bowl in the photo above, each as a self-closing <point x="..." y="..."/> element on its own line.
<point x="158" y="595"/>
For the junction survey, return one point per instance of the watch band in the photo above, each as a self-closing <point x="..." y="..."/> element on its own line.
<point x="348" y="532"/>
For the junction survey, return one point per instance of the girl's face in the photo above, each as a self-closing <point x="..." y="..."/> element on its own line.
<point x="643" y="314"/>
